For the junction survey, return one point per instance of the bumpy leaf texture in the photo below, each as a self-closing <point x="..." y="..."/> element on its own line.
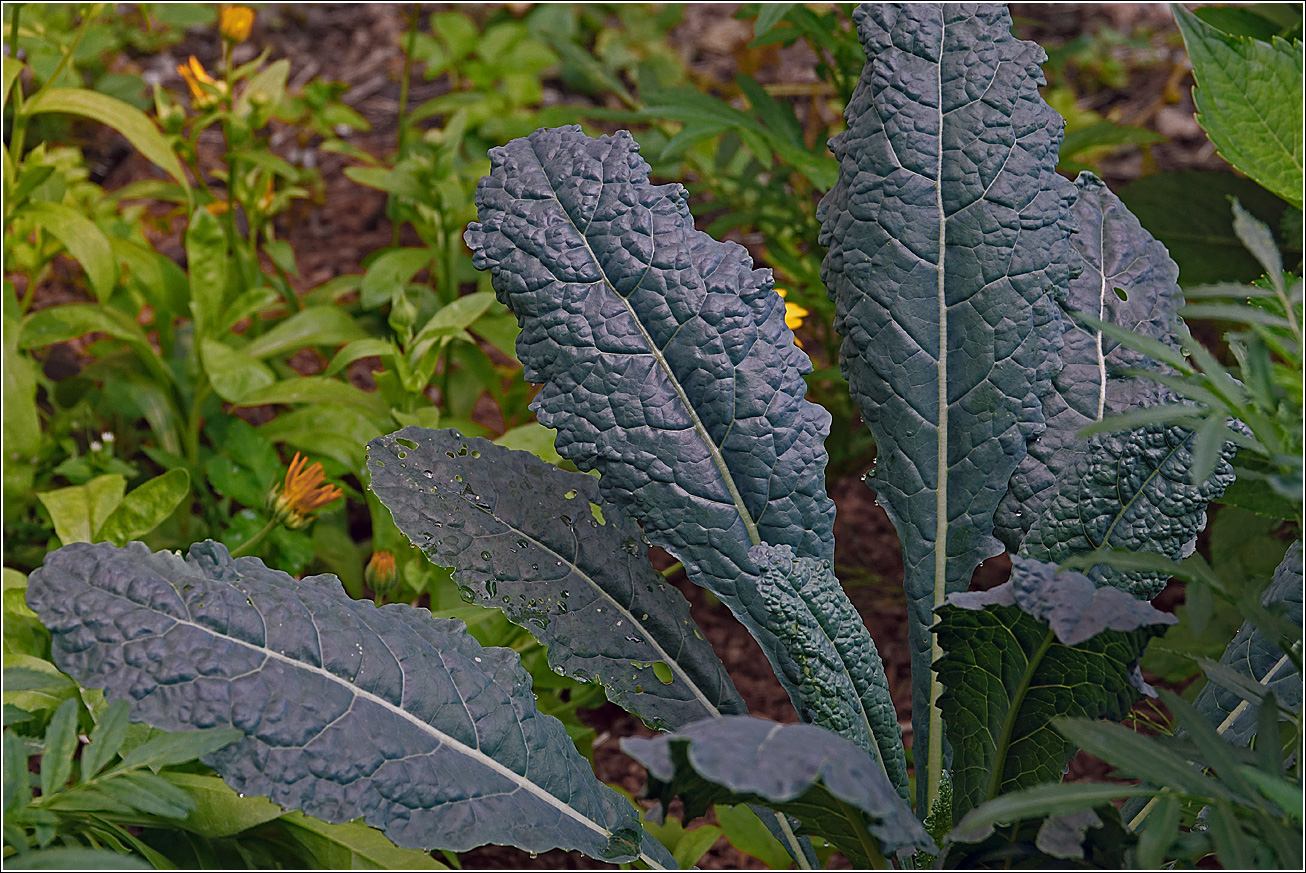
<point x="348" y="710"/>
<point x="521" y="536"/>
<point x="832" y="786"/>
<point x="667" y="367"/>
<point x="1257" y="656"/>
<point x="1041" y="645"/>
<point x="1127" y="489"/>
<point x="948" y="239"/>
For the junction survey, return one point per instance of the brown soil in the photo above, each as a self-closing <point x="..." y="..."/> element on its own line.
<point x="359" y="45"/>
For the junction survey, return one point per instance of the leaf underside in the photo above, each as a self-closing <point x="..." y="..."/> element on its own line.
<point x="348" y="710"/>
<point x="833" y="787"/>
<point x="947" y="236"/>
<point x="521" y="536"/>
<point x="1042" y="645"/>
<point x="1258" y="657"/>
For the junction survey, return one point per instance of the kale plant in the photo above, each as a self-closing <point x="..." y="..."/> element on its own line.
<point x="976" y="291"/>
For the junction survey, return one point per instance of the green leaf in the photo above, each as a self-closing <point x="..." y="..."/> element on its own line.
<point x="148" y="793"/>
<point x="207" y="262"/>
<point x="312" y="326"/>
<point x="146" y="507"/>
<point x="106" y="739"/>
<point x="1249" y="101"/>
<point x="1043" y="645"/>
<point x="389" y="273"/>
<point x="330" y="429"/>
<point x="748" y="834"/>
<point x="941" y="292"/>
<point x="68" y="858"/>
<point x="451" y="320"/>
<point x="84" y="241"/>
<point x="178" y="748"/>
<point x="79" y="511"/>
<point x="1275" y="788"/>
<point x="135" y="125"/>
<point x="233" y="374"/>
<point x="352" y="845"/>
<point x="314" y="389"/>
<point x="343" y="709"/>
<point x="531" y="437"/>
<point x="834" y="788"/>
<point x="57" y="750"/>
<point x="1188" y="211"/>
<point x="9" y="70"/>
<point x="361" y="348"/>
<point x="1141" y="757"/>
<point x="1040" y="801"/>
<point x="23" y="631"/>
<point x="219" y="811"/>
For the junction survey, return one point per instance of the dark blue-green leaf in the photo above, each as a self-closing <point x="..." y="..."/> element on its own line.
<point x="835" y="788"/>
<point x="348" y="710"/>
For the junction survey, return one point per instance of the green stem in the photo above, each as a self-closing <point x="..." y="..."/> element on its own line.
<point x="20" y="120"/>
<point x="253" y="542"/>
<point x="1009" y="723"/>
<point x="673" y="570"/>
<point x="87" y="17"/>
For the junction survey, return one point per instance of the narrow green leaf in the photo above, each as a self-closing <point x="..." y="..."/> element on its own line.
<point x="362" y="348"/>
<point x="218" y="810"/>
<point x="146" y="507"/>
<point x="1141" y="757"/>
<point x="106" y="739"/>
<point x="312" y="326"/>
<point x="84" y="241"/>
<point x="1232" y="843"/>
<point x="135" y="125"/>
<point x="58" y="748"/>
<point x="1040" y="801"/>
<point x="352" y="845"/>
<point x="314" y="389"/>
<point x="178" y="748"/>
<point x="1286" y="795"/>
<point x="67" y="858"/>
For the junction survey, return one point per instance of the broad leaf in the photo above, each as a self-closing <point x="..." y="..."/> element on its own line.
<point x="835" y="789"/>
<point x="1257" y="656"/>
<point x="1249" y="101"/>
<point x="521" y="536"/>
<point x="1042" y="645"/>
<point x="1074" y="494"/>
<point x="348" y="710"/>
<point x="947" y="235"/>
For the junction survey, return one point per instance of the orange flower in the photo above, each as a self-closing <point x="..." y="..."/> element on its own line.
<point x="380" y="573"/>
<point x="205" y="91"/>
<point x="794" y="315"/>
<point x="234" y="23"/>
<point x="301" y="494"/>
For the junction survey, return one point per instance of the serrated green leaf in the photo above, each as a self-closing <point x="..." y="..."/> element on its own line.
<point x="945" y="344"/>
<point x="1043" y="645"/>
<point x="1249" y="99"/>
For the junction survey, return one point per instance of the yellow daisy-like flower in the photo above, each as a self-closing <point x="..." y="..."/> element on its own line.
<point x="205" y="91"/>
<point x="794" y="315"/>
<point x="302" y="493"/>
<point x="234" y="23"/>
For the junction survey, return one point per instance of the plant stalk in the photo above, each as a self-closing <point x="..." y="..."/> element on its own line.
<point x="253" y="542"/>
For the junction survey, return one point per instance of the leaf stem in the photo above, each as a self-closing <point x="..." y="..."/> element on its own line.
<point x="673" y="570"/>
<point x="250" y="544"/>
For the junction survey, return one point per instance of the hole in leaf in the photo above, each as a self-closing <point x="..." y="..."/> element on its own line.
<point x="406" y="442"/>
<point x="663" y="672"/>
<point x="571" y="495"/>
<point x="1120" y="292"/>
<point x="597" y="512"/>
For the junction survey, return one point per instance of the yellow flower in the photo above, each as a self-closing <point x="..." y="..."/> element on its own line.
<point x="380" y="573"/>
<point x="234" y="22"/>
<point x="205" y="91"/>
<point x="794" y="315"/>
<point x="302" y="493"/>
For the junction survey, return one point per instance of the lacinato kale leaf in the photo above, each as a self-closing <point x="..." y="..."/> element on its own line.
<point x="348" y="710"/>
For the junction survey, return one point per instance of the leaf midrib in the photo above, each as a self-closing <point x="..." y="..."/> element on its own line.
<point x="999" y="765"/>
<point x="713" y="449"/>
